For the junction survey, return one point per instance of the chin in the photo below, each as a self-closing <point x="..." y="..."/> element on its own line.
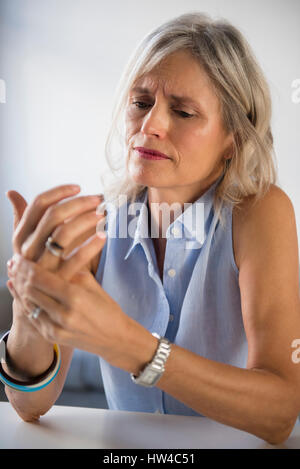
<point x="145" y="177"/>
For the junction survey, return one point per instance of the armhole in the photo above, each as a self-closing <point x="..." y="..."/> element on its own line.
<point x="233" y="263"/>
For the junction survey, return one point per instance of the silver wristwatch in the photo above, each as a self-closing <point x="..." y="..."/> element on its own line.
<point x="153" y="371"/>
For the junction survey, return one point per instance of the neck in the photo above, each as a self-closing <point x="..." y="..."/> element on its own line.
<point x="173" y="199"/>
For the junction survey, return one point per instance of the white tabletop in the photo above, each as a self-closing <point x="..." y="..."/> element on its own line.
<point x="77" y="427"/>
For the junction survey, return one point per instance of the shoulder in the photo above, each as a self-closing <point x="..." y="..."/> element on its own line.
<point x="262" y="221"/>
<point x="275" y="197"/>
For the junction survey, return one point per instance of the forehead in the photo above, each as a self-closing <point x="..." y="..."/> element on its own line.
<point x="176" y="73"/>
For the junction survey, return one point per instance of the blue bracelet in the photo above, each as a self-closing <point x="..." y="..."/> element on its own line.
<point x="35" y="384"/>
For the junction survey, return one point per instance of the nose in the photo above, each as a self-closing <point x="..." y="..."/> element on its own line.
<point x="156" y="122"/>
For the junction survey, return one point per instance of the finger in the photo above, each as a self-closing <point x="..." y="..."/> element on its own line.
<point x="36" y="209"/>
<point x="66" y="234"/>
<point x="56" y="286"/>
<point x="29" y="273"/>
<point x="79" y="241"/>
<point x="80" y="258"/>
<point x="12" y="290"/>
<point x="55" y="310"/>
<point x="19" y="205"/>
<point x="26" y="306"/>
<point x="54" y="217"/>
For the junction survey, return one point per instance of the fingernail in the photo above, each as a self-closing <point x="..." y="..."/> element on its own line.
<point x="9" y="263"/>
<point x="101" y="208"/>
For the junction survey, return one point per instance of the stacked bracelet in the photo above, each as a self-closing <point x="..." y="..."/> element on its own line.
<point x="37" y="383"/>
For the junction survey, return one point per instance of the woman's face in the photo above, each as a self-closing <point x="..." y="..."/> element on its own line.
<point x="188" y="131"/>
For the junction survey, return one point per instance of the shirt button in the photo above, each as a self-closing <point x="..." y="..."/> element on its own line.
<point x="171" y="318"/>
<point x="171" y="272"/>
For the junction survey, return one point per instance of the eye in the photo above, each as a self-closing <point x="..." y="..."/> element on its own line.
<point x="138" y="103"/>
<point x="142" y="105"/>
<point x="184" y="115"/>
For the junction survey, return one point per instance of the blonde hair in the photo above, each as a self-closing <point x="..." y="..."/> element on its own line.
<point x="241" y="88"/>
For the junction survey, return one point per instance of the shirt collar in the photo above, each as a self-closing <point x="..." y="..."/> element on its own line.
<point x="192" y="225"/>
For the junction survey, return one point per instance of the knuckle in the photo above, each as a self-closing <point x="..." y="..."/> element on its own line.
<point x="52" y="212"/>
<point x="39" y="201"/>
<point x="26" y="251"/>
<point x="60" y="232"/>
<point x="31" y="277"/>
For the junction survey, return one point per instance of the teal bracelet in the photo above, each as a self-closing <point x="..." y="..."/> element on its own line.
<point x="36" y="384"/>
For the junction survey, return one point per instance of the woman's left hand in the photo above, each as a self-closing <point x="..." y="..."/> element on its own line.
<point x="78" y="313"/>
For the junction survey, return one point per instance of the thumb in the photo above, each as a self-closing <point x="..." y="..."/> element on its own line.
<point x="19" y="205"/>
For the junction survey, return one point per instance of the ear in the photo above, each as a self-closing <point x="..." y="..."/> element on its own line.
<point x="229" y="149"/>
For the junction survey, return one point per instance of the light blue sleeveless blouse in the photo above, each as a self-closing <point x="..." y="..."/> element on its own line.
<point x="197" y="307"/>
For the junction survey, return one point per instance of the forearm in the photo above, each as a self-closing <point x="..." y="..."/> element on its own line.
<point x="30" y="356"/>
<point x="256" y="401"/>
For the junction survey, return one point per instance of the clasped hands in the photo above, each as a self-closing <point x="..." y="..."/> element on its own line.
<point x="76" y="311"/>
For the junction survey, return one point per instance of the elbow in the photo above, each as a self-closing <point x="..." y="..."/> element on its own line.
<point x="29" y="418"/>
<point x="283" y="421"/>
<point x="32" y="416"/>
<point x="26" y="412"/>
<point x="279" y="433"/>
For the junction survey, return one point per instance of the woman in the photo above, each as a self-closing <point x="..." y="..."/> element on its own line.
<point x="227" y="305"/>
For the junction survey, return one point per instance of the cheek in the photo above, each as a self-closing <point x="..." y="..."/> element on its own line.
<point x="202" y="138"/>
<point x="131" y="128"/>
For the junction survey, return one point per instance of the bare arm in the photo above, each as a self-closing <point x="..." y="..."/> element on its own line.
<point x="263" y="399"/>
<point x="28" y="350"/>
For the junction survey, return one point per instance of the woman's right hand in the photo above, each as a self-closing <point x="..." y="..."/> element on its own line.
<point x="70" y="223"/>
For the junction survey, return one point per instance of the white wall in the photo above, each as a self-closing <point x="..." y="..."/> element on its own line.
<point x="61" y="61"/>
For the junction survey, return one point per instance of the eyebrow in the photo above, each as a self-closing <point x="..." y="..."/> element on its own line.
<point x="180" y="99"/>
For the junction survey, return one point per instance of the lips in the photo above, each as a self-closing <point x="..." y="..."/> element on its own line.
<point x="150" y="152"/>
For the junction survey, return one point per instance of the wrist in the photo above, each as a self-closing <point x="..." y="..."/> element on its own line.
<point x="138" y="346"/>
<point x="27" y="354"/>
<point x="34" y="383"/>
<point x="154" y="370"/>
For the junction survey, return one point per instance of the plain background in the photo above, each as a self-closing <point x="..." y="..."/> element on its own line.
<point x="61" y="61"/>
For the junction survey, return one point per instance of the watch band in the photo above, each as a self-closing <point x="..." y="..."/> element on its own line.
<point x="152" y="372"/>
